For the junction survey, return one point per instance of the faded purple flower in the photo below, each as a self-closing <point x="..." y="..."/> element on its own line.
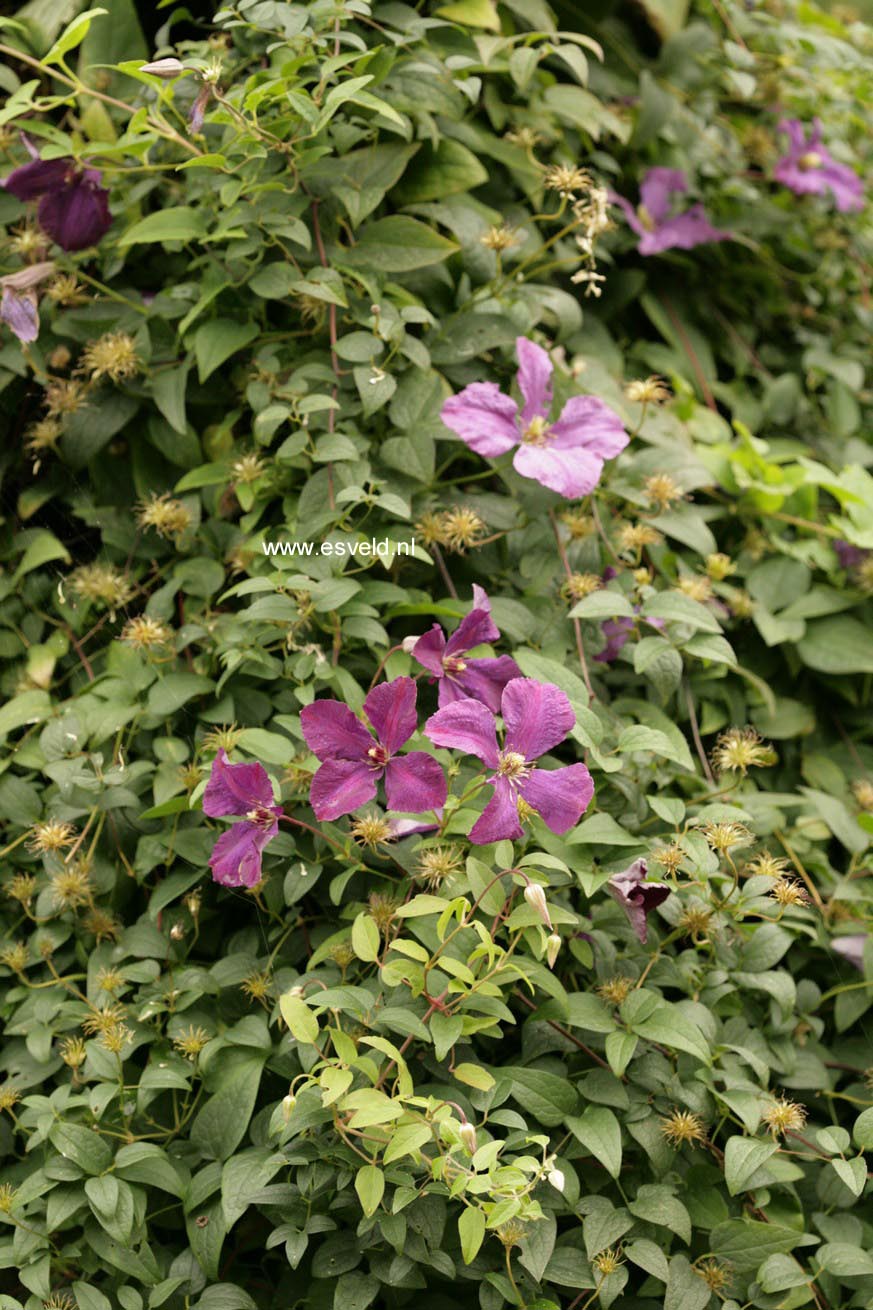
<point x="18" y="305"/>
<point x="566" y="455"/>
<point x="850" y="556"/>
<point x="810" y="169"/>
<point x="636" y="896"/>
<point x="537" y="716"/>
<point x="482" y="679"/>
<point x="352" y="762"/>
<point x="653" y="223"/>
<point x="73" y="207"/>
<point x="243" y="789"/>
<point x="851" y="948"/>
<point x="198" y="109"/>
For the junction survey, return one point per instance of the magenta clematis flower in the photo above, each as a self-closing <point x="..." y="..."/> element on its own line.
<point x="537" y="716"/>
<point x="352" y="762"/>
<point x="243" y="789"/>
<point x="653" y="223"/>
<point x="809" y="169"/>
<point x="481" y="679"/>
<point x="567" y="455"/>
<point x="636" y="896"/>
<point x="73" y="207"/>
<point x="18" y="305"/>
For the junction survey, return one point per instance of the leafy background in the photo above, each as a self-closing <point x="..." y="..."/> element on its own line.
<point x="304" y="282"/>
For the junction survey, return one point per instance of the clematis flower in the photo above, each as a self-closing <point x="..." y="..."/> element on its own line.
<point x="636" y="896"/>
<point x="353" y="762"/>
<point x="537" y="716"/>
<point x="481" y="679"/>
<point x="565" y="455"/>
<point x="243" y="789"/>
<point x="810" y="169"/>
<point x="851" y="948"/>
<point x="73" y="207"/>
<point x="18" y="303"/>
<point x="850" y="556"/>
<point x="653" y="223"/>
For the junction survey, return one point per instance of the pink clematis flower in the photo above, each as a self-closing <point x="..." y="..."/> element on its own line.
<point x="352" y="762"/>
<point x="537" y="717"/>
<point x="653" y="223"/>
<point x="481" y="679"/>
<point x="243" y="789"/>
<point x="636" y="896"/>
<point x="565" y="455"/>
<point x="810" y="169"/>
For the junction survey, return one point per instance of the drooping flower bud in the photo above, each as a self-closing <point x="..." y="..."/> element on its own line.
<point x="167" y="68"/>
<point x="288" y="1103"/>
<point x="536" y="899"/>
<point x="556" y="1178"/>
<point x="467" y="1134"/>
<point x="553" y="947"/>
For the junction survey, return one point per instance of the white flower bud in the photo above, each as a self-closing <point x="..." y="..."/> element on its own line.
<point x="409" y="642"/>
<point x="553" y="946"/>
<point x="167" y="68"/>
<point x="288" y="1103"/>
<point x="536" y="899"/>
<point x="467" y="1134"/>
<point x="556" y="1178"/>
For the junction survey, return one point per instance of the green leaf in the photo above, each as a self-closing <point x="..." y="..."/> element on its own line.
<point x="674" y="607"/>
<point x="473" y="1075"/>
<point x="744" y="1243"/>
<point x="26" y="707"/>
<point x="366" y="939"/>
<point x="217" y="340"/>
<point x="72" y="36"/>
<point x="844" y="1260"/>
<point x="548" y="1098"/>
<point x="599" y="1131"/>
<point x="42" y="549"/>
<point x="355" y="1292"/>
<point x="302" y="1023"/>
<point x="396" y="244"/>
<point x="852" y="1172"/>
<point x="669" y="1027"/>
<point x="175" y="690"/>
<point x="179" y="223"/>
<point x="471" y="1230"/>
<point x="863" y="1129"/>
<point x="604" y="604"/>
<point x="407" y="1140"/>
<point x="370" y="1187"/>
<point x="837" y="645"/>
<point x="686" y="1290"/>
<point x="779" y="1273"/>
<point x="743" y="1157"/>
<point x="440" y="171"/>
<point x="222" y="1122"/>
<point x="83" y="1146"/>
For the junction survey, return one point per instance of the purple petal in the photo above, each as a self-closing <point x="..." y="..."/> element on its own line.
<point x="390" y="707"/>
<point x="18" y="310"/>
<point x="589" y="422"/>
<point x="617" y="633"/>
<point x="409" y="827"/>
<point x="851" y="948"/>
<point x="332" y="732"/>
<point x="237" y="788"/>
<point x="657" y="187"/>
<point x="33" y="180"/>
<point x="559" y="796"/>
<point x="845" y="186"/>
<point x="466" y="726"/>
<point x="534" y="379"/>
<point x="499" y="820"/>
<point x="570" y="473"/>
<point x="485" y="679"/>
<point x="537" y="716"/>
<point x="483" y="418"/>
<point x="636" y="896"/>
<point x="848" y="555"/>
<point x="236" y="856"/>
<point x="793" y="129"/>
<point x="76" y="216"/>
<point x="414" y="783"/>
<point x="629" y="212"/>
<point x="476" y="628"/>
<point x="429" y="649"/>
<point x="684" y="232"/>
<point x="340" y="786"/>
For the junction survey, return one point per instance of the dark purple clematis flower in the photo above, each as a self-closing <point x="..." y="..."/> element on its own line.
<point x="243" y="789"/>
<point x="537" y="716"/>
<point x="565" y="455"/>
<point x="851" y="948"/>
<point x="352" y="762"/>
<point x="73" y="207"/>
<point x="18" y="305"/>
<point x="850" y="556"/>
<point x="653" y="223"/>
<point x="480" y="679"/>
<point x="636" y="896"/>
<point x="809" y="169"/>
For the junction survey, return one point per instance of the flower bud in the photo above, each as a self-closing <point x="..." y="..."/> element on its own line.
<point x="467" y="1134"/>
<point x="166" y="68"/>
<point x="288" y="1103"/>
<point x="553" y="946"/>
<point x="556" y="1178"/>
<point x="177" y="932"/>
<point x="409" y="642"/>
<point x="536" y="899"/>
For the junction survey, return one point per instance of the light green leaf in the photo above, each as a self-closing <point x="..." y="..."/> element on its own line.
<point x="396" y="244"/>
<point x="366" y="940"/>
<point x="743" y="1157"/>
<point x="72" y="36"/>
<point x="178" y="223"/>
<point x="471" y="1230"/>
<point x="302" y="1023"/>
<point x="599" y="1131"/>
<point x="370" y="1187"/>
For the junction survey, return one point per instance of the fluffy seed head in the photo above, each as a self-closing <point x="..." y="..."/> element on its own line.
<point x="190" y="1041"/>
<point x="862" y="575"/>
<point x="170" y="518"/>
<point x="608" y="1261"/>
<point x="767" y="865"/>
<point x="724" y="837"/>
<point x="662" y="490"/>
<point x="437" y="864"/>
<point x="788" y="891"/>
<point x="862" y="790"/>
<point x="50" y="835"/>
<point x="101" y="925"/>
<point x="9" y="1096"/>
<point x="146" y="634"/>
<point x="111" y="356"/>
<point x="783" y="1116"/>
<point x="71" y="886"/>
<point x="567" y="180"/>
<point x="716" y="1276"/>
<point x="682" y="1128"/>
<point x="382" y="910"/>
<point x="73" y="1052"/>
<point x="371" y="830"/>
<point x="21" y="888"/>
<point x="511" y="1233"/>
<point x="65" y="290"/>
<point x="580" y="585"/>
<point x="248" y="468"/>
<point x="578" y="525"/>
<point x="647" y="391"/>
<point x="634" y="537"/>
<point x="7" y="1198"/>
<point x="696" y="586"/>
<point x="741" y="749"/>
<point x="43" y="436"/>
<point x="616" y="990"/>
<point x="695" y="921"/>
<point x="64" y="396"/>
<point x="101" y="583"/>
<point x="670" y="857"/>
<point x="225" y="738"/>
<point x="462" y="529"/>
<point x="14" y="956"/>
<point x="719" y="566"/>
<point x="499" y="238"/>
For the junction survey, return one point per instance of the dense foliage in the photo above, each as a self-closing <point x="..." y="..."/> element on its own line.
<point x="617" y="1060"/>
